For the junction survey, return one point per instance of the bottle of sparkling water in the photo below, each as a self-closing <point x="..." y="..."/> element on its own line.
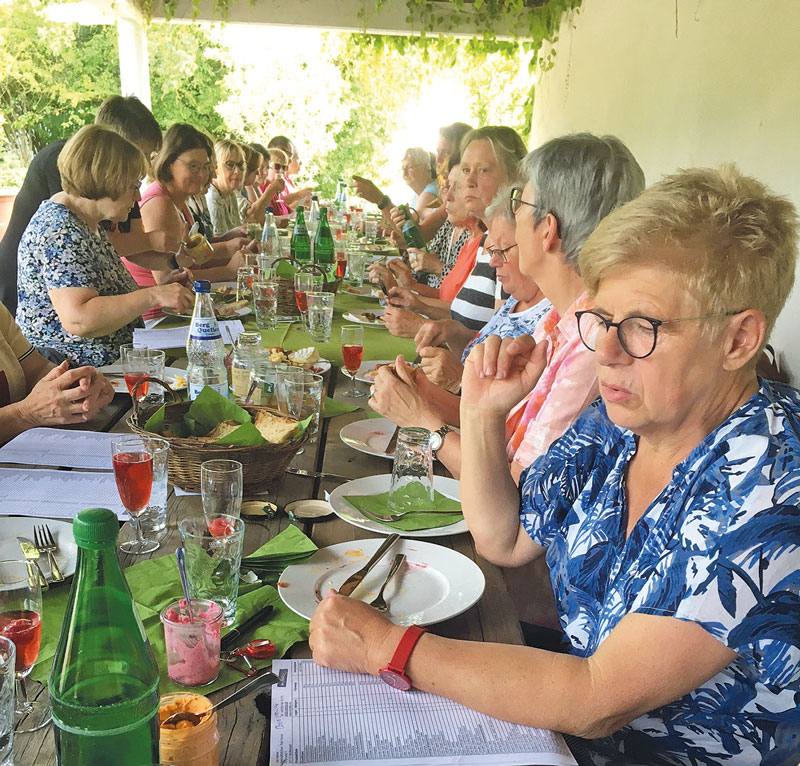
<point x="204" y="347"/>
<point x="300" y="246"/>
<point x="324" y="247"/>
<point x="313" y="216"/>
<point x="411" y="233"/>
<point x="104" y="682"/>
<point x="270" y="241"/>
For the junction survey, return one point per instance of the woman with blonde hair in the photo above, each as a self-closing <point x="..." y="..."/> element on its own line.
<point x="224" y="193"/>
<point x="75" y="295"/>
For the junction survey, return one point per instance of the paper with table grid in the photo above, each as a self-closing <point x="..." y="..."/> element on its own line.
<point x="324" y="716"/>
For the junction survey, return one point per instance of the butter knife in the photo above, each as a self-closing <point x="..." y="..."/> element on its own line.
<point x="391" y="447"/>
<point x="352" y="582"/>
<point x="31" y="553"/>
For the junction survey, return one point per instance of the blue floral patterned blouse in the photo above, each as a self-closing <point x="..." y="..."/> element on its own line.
<point x="59" y="250"/>
<point x="720" y="546"/>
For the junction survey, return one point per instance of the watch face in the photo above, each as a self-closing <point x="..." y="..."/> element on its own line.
<point x="435" y="441"/>
<point x="395" y="680"/>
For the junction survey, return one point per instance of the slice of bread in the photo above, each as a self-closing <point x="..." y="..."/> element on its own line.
<point x="220" y="430"/>
<point x="276" y="429"/>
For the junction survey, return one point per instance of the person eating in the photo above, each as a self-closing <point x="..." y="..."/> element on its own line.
<point x="668" y="514"/>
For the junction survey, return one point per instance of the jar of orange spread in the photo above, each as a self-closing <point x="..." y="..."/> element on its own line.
<point x="186" y="744"/>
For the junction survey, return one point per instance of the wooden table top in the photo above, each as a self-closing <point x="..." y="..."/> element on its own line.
<point x="244" y="732"/>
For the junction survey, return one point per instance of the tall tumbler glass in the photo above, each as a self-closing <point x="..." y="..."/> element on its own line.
<point x="221" y="484"/>
<point x="213" y="547"/>
<point x="412" y="473"/>
<point x="154" y="519"/>
<point x="265" y="297"/>
<point x="7" y="663"/>
<point x="320" y="316"/>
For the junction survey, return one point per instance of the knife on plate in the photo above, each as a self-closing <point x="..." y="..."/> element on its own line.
<point x="31" y="553"/>
<point x="352" y="582"/>
<point x="391" y="447"/>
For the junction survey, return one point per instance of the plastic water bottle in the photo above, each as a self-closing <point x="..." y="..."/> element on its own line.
<point x="270" y="244"/>
<point x="204" y="347"/>
<point x="313" y="217"/>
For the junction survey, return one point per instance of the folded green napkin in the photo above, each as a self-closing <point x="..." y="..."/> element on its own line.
<point x="332" y="407"/>
<point x="411" y="521"/>
<point x="155" y="583"/>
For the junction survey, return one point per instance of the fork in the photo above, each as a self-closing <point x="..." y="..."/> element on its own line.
<point x="379" y="602"/>
<point x="398" y="516"/>
<point x="44" y="542"/>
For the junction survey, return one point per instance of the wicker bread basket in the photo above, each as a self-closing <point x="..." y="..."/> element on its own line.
<point x="287" y="306"/>
<point x="261" y="465"/>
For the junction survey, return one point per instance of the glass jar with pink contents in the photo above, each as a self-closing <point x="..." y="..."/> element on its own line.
<point x="192" y="641"/>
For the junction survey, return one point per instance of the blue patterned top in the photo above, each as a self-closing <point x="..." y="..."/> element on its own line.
<point x="59" y="250"/>
<point x="720" y="546"/>
<point x="508" y="325"/>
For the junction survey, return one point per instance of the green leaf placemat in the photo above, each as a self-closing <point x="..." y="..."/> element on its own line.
<point x="333" y="407"/>
<point x="154" y="584"/>
<point x="412" y="521"/>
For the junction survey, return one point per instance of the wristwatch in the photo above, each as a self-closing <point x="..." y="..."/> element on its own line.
<point x="394" y="673"/>
<point x="437" y="438"/>
<point x="384" y="203"/>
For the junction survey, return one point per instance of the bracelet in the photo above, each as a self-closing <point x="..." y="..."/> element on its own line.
<point x="173" y="262"/>
<point x="384" y="203"/>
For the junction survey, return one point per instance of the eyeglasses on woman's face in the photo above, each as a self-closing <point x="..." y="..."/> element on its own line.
<point x="516" y="202"/>
<point x="408" y="168"/>
<point x="277" y="166"/>
<point x="196" y="168"/>
<point x="637" y="335"/>
<point x="231" y="165"/>
<point x="500" y="252"/>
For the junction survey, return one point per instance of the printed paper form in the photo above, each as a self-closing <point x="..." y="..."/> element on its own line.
<point x="175" y="337"/>
<point x="57" y="494"/>
<point x="60" y="447"/>
<point x="324" y="716"/>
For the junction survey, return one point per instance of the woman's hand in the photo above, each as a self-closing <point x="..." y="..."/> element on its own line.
<point x="422" y="260"/>
<point x="401" y="273"/>
<point x="400" y="322"/>
<point x="402" y="394"/>
<point x="180" y="276"/>
<point x="433" y="332"/>
<point x="379" y="272"/>
<point x="174" y="297"/>
<point x="501" y="372"/>
<point x="404" y="298"/>
<point x="65" y="396"/>
<point x="350" y="635"/>
<point x="441" y="367"/>
<point x="367" y="190"/>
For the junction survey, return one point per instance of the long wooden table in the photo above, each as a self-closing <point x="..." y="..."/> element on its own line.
<point x="244" y="732"/>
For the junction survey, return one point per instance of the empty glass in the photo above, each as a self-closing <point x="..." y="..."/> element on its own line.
<point x="244" y="283"/>
<point x="265" y="376"/>
<point x="357" y="261"/>
<point x="412" y="473"/>
<point x="7" y="663"/>
<point x="153" y="521"/>
<point x="370" y="230"/>
<point x="265" y="297"/>
<point x="303" y="398"/>
<point x="141" y="363"/>
<point x="213" y="547"/>
<point x="221" y="487"/>
<point x="320" y="316"/>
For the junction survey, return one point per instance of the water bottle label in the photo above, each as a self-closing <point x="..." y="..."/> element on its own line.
<point x="204" y="328"/>
<point x="196" y="388"/>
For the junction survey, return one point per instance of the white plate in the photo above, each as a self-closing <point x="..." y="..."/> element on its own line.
<point x="358" y="319"/>
<point x="435" y="584"/>
<point x="175" y="376"/>
<point x="242" y="312"/>
<point x="66" y="555"/>
<point x="374" y="485"/>
<point x="370" y="436"/>
<point x="368" y="367"/>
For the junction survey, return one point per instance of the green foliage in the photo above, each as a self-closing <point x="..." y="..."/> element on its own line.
<point x="52" y="76"/>
<point x="187" y="75"/>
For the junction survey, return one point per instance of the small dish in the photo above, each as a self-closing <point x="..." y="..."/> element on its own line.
<point x="309" y="509"/>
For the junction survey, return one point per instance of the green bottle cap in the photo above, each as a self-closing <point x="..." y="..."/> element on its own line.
<point x="95" y="528"/>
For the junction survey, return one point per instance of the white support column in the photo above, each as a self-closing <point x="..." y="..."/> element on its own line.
<point x="134" y="69"/>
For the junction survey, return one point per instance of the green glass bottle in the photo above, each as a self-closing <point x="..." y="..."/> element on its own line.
<point x="104" y="682"/>
<point x="411" y="233"/>
<point x="300" y="246"/>
<point x="324" y="249"/>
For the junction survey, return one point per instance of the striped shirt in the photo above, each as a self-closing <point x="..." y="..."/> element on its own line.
<point x="474" y="304"/>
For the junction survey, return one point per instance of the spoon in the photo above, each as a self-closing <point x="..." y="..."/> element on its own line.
<point x="258" y="683"/>
<point x="180" y="557"/>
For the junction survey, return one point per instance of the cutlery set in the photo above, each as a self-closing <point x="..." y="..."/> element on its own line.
<point x="44" y="543"/>
<point x="352" y="582"/>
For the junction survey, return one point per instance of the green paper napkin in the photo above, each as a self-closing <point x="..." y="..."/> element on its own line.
<point x="412" y="521"/>
<point x="155" y="583"/>
<point x="332" y="407"/>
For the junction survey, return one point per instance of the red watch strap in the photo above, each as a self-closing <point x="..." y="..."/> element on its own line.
<point x="404" y="648"/>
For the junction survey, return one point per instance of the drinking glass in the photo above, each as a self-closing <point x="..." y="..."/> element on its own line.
<point x="192" y="641"/>
<point x="265" y="376"/>
<point x="265" y="297"/>
<point x="352" y="353"/>
<point x="7" y="662"/>
<point x="21" y="622"/>
<point x="221" y="487"/>
<point x="303" y="398"/>
<point x="370" y="231"/>
<point x="412" y="472"/>
<point x="356" y="262"/>
<point x="213" y="547"/>
<point x="305" y="282"/>
<point x="320" y="316"/>
<point x="154" y="519"/>
<point x="141" y="363"/>
<point x="244" y="283"/>
<point x="287" y="373"/>
<point x="132" y="458"/>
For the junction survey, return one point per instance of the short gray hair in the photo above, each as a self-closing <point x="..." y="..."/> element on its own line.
<point x="580" y="179"/>
<point x="421" y="156"/>
<point x="501" y="205"/>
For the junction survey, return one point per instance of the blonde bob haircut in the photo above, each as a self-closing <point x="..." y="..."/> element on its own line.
<point x="225" y="150"/>
<point x="731" y="242"/>
<point x="98" y="162"/>
<point x="278" y="155"/>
